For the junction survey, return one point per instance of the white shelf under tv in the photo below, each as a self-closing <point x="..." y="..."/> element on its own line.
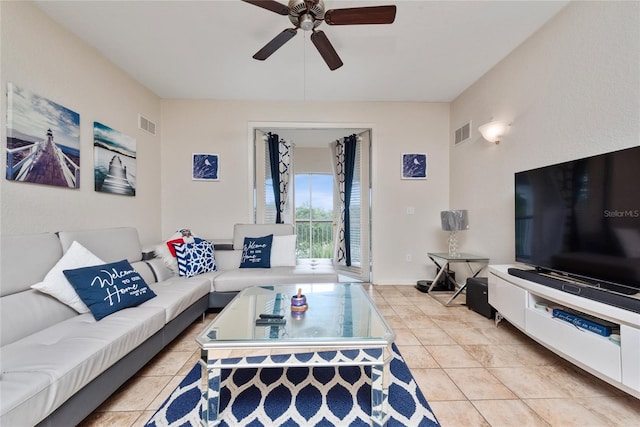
<point x="618" y="364"/>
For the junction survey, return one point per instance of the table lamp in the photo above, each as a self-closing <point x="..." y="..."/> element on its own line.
<point x="454" y="221"/>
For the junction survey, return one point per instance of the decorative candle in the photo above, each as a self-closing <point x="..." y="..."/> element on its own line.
<point x="299" y="302"/>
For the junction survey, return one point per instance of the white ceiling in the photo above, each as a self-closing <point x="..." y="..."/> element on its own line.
<point x="203" y="49"/>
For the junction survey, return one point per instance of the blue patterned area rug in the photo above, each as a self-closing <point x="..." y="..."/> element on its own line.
<point x="321" y="396"/>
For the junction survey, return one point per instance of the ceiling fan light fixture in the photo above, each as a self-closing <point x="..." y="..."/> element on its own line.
<point x="307" y="22"/>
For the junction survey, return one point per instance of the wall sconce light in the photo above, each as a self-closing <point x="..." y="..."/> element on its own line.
<point x="494" y="131"/>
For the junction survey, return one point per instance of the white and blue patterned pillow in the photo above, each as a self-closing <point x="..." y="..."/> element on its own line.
<point x="195" y="258"/>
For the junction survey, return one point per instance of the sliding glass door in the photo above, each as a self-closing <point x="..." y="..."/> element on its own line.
<point x="359" y="212"/>
<point x="313" y="201"/>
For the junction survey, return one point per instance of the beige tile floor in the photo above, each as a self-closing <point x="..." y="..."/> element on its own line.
<point x="471" y="372"/>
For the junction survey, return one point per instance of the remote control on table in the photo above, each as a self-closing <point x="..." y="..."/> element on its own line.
<point x="271" y="316"/>
<point x="270" y="322"/>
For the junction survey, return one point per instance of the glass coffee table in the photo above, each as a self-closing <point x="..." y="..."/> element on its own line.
<point x="340" y="317"/>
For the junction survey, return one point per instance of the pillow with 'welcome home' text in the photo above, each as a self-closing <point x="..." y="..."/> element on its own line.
<point x="256" y="252"/>
<point x="108" y="288"/>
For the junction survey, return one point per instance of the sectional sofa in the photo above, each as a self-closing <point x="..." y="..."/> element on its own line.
<point x="228" y="278"/>
<point x="58" y="366"/>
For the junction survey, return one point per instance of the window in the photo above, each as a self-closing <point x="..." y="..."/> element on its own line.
<point x="314" y="215"/>
<point x="269" y="200"/>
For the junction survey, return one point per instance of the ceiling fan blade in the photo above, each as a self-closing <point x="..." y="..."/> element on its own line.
<point x="275" y="44"/>
<point x="361" y="15"/>
<point x="271" y="5"/>
<point x="326" y="50"/>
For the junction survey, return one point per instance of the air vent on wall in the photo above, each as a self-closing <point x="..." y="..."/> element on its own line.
<point x="463" y="133"/>
<point x="146" y="124"/>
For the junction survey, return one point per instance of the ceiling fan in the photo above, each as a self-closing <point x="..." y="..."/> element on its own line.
<point x="308" y="14"/>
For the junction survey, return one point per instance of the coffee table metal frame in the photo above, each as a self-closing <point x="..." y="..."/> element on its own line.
<point x="375" y="351"/>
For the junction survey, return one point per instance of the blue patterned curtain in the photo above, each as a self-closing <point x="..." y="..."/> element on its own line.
<point x="280" y="163"/>
<point x="343" y="154"/>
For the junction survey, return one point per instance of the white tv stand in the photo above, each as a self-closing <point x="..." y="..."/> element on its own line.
<point x="618" y="364"/>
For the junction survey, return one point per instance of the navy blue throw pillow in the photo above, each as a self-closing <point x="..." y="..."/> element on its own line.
<point x="108" y="288"/>
<point x="256" y="252"/>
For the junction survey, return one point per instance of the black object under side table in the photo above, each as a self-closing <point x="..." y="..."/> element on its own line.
<point x="443" y="260"/>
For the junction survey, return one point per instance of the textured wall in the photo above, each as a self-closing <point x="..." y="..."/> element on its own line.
<point x="41" y="56"/>
<point x="572" y="90"/>
<point x="211" y="208"/>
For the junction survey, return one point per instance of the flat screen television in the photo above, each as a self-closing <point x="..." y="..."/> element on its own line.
<point x="582" y="219"/>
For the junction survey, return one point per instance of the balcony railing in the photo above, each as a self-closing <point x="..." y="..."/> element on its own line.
<point x="314" y="239"/>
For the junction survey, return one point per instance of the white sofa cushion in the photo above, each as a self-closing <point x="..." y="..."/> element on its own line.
<point x="178" y="293"/>
<point x="109" y="244"/>
<point x="41" y="371"/>
<point x="238" y="279"/>
<point x="240" y="231"/>
<point x="228" y="260"/>
<point x="19" y="322"/>
<point x="157" y="268"/>
<point x="146" y="271"/>
<point x="18" y="271"/>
